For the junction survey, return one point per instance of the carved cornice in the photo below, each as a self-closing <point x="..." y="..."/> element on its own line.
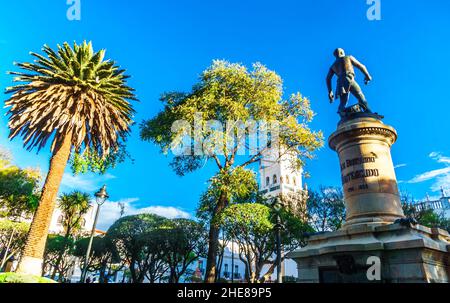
<point x="357" y="133"/>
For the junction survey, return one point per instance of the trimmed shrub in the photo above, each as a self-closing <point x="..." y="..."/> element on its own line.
<point x="11" y="277"/>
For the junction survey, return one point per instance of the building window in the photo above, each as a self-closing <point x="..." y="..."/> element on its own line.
<point x="267" y="181"/>
<point x="281" y="180"/>
<point x="83" y="223"/>
<point x="287" y="179"/>
<point x="275" y="180"/>
<point x="236" y="272"/>
<point x="60" y="220"/>
<point x="294" y="181"/>
<point x="226" y="273"/>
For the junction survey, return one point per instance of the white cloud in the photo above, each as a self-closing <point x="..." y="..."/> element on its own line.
<point x="110" y="211"/>
<point x="165" y="211"/>
<point x="439" y="157"/>
<point x="85" y="182"/>
<point x="399" y="165"/>
<point x="442" y="182"/>
<point x="430" y="175"/>
<point x="440" y="177"/>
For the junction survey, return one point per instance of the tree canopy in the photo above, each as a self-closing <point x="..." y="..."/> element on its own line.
<point x="104" y="257"/>
<point x="156" y="248"/>
<point x="12" y="239"/>
<point x="427" y="217"/>
<point x="229" y="92"/>
<point x="252" y="227"/>
<point x="72" y="90"/>
<point x="184" y="241"/>
<point x="19" y="195"/>
<point x="132" y="237"/>
<point x="231" y="117"/>
<point x="326" y="209"/>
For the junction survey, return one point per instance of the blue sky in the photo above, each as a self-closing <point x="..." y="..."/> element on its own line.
<point x="165" y="45"/>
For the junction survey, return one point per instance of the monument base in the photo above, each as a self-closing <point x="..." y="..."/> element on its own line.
<point x="407" y="254"/>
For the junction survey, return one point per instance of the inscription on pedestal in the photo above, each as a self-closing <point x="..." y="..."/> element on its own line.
<point x="355" y="173"/>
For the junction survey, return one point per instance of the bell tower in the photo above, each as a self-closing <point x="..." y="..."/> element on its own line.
<point x="277" y="175"/>
<point x="279" y="178"/>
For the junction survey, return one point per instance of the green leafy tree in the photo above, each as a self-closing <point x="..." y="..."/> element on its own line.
<point x="18" y="189"/>
<point x="79" y="101"/>
<point x="184" y="242"/>
<point x="293" y="235"/>
<point x="134" y="238"/>
<point x="427" y="217"/>
<point x="104" y="257"/>
<point x="74" y="207"/>
<point x="230" y="92"/>
<point x="326" y="209"/>
<point x="12" y="239"/>
<point x="251" y="226"/>
<point x="56" y="244"/>
<point x="93" y="162"/>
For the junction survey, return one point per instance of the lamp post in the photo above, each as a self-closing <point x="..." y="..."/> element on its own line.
<point x="100" y="197"/>
<point x="277" y="228"/>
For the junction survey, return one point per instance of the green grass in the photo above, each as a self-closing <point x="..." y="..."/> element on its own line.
<point x="11" y="277"/>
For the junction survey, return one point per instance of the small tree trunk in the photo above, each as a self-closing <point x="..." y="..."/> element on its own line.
<point x="61" y="254"/>
<point x="220" y="261"/>
<point x="134" y="277"/>
<point x="102" y="275"/>
<point x="213" y="240"/>
<point x="31" y="261"/>
<point x="173" y="277"/>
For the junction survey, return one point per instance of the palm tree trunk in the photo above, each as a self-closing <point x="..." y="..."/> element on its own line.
<point x="31" y="261"/>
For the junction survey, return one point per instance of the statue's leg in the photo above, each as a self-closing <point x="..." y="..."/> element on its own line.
<point x="343" y="104"/>
<point x="357" y="92"/>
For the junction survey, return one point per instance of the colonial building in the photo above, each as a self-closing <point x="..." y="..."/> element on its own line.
<point x="441" y="204"/>
<point x="280" y="178"/>
<point x="56" y="225"/>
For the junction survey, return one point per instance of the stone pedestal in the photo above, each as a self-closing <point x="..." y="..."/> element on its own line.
<point x="367" y="172"/>
<point x="406" y="253"/>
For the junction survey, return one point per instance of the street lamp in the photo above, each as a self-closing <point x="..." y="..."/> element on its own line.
<point x="100" y="197"/>
<point x="278" y="227"/>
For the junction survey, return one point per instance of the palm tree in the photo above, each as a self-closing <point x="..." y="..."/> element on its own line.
<point x="80" y="102"/>
<point x="73" y="207"/>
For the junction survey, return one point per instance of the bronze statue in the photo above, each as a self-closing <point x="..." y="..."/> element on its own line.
<point x="346" y="84"/>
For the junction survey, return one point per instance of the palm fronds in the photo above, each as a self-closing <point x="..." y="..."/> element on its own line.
<point x="71" y="91"/>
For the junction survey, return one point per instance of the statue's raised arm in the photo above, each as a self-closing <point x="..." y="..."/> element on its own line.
<point x="343" y="68"/>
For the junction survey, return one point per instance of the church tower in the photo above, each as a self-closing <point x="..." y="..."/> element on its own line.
<point x="277" y="175"/>
<point x="279" y="178"/>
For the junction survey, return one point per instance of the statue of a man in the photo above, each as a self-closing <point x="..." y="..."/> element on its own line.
<point x="346" y="84"/>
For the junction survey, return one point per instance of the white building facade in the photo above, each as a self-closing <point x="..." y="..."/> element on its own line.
<point x="277" y="174"/>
